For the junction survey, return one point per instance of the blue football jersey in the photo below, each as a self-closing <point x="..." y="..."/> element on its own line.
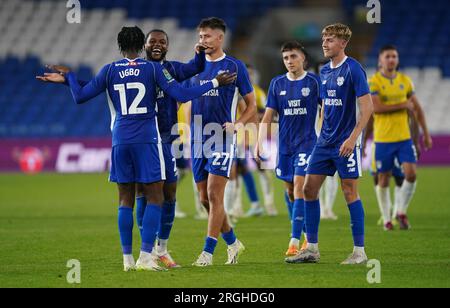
<point x="167" y="106"/>
<point x="297" y="103"/>
<point x="218" y="105"/>
<point x="340" y="88"/>
<point x="132" y="87"/>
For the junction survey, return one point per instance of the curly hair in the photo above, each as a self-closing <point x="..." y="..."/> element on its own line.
<point x="131" y="39"/>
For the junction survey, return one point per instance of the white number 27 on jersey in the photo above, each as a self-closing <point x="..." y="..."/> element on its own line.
<point x="134" y="109"/>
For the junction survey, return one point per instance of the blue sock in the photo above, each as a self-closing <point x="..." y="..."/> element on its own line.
<point x="230" y="237"/>
<point x="289" y="204"/>
<point x="167" y="219"/>
<point x="298" y="219"/>
<point x="312" y="219"/>
<point x="357" y="222"/>
<point x="141" y="203"/>
<point x="126" y="229"/>
<point x="250" y="186"/>
<point x="210" y="245"/>
<point x="150" y="226"/>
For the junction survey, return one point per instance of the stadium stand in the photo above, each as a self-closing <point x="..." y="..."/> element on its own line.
<point x="421" y="32"/>
<point x="32" y="109"/>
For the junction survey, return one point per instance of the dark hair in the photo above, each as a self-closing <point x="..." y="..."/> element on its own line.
<point x="159" y="31"/>
<point x="213" y="23"/>
<point x="386" y="48"/>
<point x="131" y="39"/>
<point x="293" y="45"/>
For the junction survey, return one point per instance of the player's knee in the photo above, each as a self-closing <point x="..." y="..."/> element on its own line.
<point x="310" y="193"/>
<point x="383" y="180"/>
<point x="170" y="195"/>
<point x="139" y="190"/>
<point x="350" y="193"/>
<point x="214" y="198"/>
<point x="126" y="200"/>
<point x="411" y="177"/>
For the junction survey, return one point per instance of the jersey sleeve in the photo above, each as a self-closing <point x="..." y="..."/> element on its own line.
<point x="170" y="86"/>
<point x="243" y="80"/>
<point x="318" y="89"/>
<point x="409" y="87"/>
<point x="373" y="85"/>
<point x="271" y="97"/>
<point x="81" y="91"/>
<point x="359" y="78"/>
<point x="185" y="71"/>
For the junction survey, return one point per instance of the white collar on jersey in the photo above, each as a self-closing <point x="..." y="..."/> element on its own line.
<point x="132" y="60"/>
<point x="342" y="62"/>
<point x="297" y="79"/>
<point x="218" y="59"/>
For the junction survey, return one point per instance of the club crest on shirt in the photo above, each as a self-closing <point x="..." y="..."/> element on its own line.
<point x="340" y="81"/>
<point x="305" y="92"/>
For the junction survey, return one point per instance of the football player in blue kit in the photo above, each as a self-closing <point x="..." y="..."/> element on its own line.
<point x="213" y="136"/>
<point x="295" y="97"/>
<point x="156" y="47"/>
<point x="344" y="90"/>
<point x="137" y="156"/>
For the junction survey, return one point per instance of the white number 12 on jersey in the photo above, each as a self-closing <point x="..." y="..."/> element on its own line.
<point x="134" y="109"/>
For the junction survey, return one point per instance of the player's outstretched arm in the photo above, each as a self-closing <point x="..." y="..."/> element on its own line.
<point x="170" y="86"/>
<point x="57" y="78"/>
<point x="52" y="78"/>
<point x="184" y="71"/>
<point x="82" y="93"/>
<point x="365" y="112"/>
<point x="422" y="122"/>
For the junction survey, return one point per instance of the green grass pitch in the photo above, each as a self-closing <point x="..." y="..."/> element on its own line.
<point x="47" y="219"/>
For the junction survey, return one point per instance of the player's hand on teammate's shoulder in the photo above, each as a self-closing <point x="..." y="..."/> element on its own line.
<point x="226" y="78"/>
<point x="347" y="147"/>
<point x="52" y="77"/>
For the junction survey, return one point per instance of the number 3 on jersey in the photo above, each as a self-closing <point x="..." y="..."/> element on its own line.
<point x="134" y="109"/>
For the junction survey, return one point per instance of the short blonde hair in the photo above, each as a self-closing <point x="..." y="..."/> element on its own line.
<point x="339" y="30"/>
